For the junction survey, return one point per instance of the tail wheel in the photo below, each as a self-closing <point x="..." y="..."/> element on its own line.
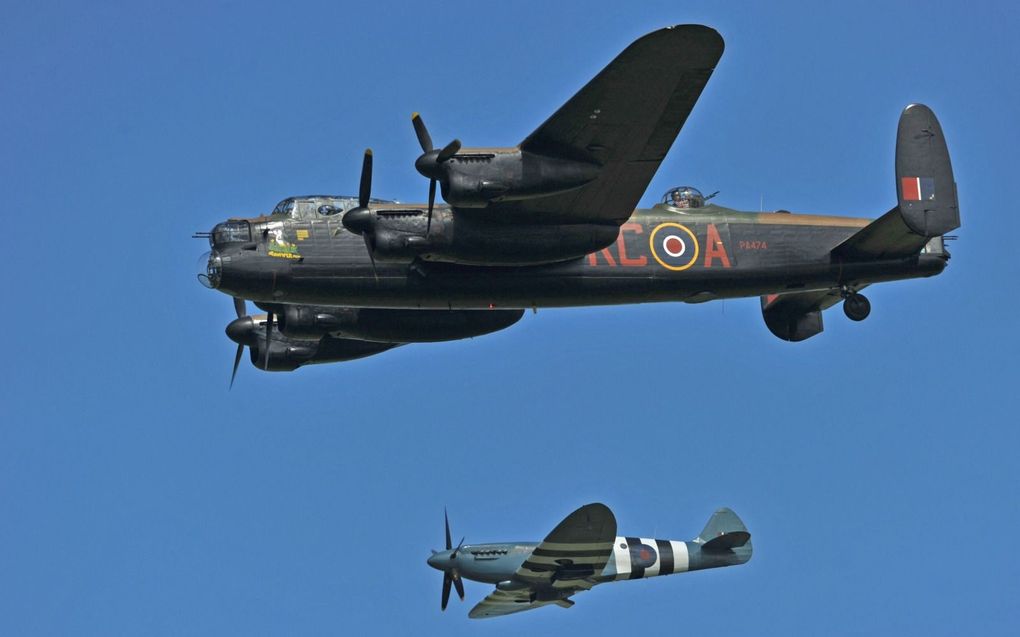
<point x="857" y="307"/>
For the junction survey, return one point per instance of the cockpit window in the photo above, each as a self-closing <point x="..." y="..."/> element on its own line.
<point x="683" y="197"/>
<point x="230" y="232"/>
<point x="285" y="207"/>
<point x="310" y="207"/>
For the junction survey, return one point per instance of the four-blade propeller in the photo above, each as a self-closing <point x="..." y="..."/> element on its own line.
<point x="450" y="575"/>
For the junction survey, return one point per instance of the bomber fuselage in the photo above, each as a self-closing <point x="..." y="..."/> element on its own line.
<point x="659" y="254"/>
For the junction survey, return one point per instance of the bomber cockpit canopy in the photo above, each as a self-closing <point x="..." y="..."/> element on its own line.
<point x="684" y="197"/>
<point x="319" y="206"/>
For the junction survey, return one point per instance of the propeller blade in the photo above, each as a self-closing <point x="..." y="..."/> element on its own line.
<point x="240" y="308"/>
<point x="432" y="201"/>
<point x="449" y="542"/>
<point x="448" y="151"/>
<point x="459" y="585"/>
<point x="371" y="257"/>
<point x="456" y="550"/>
<point x="365" y="191"/>
<point x="447" y="580"/>
<point x="423" y="134"/>
<point x="269" y="331"/>
<point x="237" y="361"/>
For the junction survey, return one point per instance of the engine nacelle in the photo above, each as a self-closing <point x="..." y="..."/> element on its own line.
<point x="393" y="326"/>
<point x="463" y="239"/>
<point x="286" y="354"/>
<point x="474" y="179"/>
<point x="307" y="321"/>
<point x="477" y="242"/>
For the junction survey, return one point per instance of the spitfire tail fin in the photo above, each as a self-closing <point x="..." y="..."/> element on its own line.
<point x="724" y="531"/>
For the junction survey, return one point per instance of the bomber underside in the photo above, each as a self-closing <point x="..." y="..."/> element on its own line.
<point x="438" y="286"/>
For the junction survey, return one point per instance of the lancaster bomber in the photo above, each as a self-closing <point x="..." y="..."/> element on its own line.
<point x="580" y="553"/>
<point x="551" y="222"/>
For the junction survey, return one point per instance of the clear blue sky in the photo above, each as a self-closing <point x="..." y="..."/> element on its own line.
<point x="876" y="465"/>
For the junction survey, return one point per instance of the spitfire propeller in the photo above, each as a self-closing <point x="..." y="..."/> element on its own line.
<point x="360" y="220"/>
<point x="243" y="331"/>
<point x="430" y="163"/>
<point x="450" y="574"/>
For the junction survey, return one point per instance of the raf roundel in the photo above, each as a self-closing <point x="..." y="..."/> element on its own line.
<point x="674" y="246"/>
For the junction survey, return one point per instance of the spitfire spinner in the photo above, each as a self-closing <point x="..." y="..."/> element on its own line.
<point x="581" y="552"/>
<point x="551" y="222"/>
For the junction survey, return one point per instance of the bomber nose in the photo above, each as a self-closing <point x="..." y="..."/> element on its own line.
<point x="210" y="269"/>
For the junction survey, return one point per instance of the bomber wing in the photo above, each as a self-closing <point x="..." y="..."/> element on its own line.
<point x="568" y="560"/>
<point x="626" y="119"/>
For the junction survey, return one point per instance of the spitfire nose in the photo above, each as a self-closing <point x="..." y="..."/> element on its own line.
<point x="439" y="561"/>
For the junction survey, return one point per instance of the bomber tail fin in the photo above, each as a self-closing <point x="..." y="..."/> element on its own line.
<point x="926" y="192"/>
<point x="924" y="174"/>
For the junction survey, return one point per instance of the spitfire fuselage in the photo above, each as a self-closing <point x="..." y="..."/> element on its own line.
<point x="632" y="558"/>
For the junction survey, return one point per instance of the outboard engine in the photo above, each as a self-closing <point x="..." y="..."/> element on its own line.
<point x="393" y="326"/>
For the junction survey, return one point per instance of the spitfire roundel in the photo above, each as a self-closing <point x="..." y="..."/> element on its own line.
<point x="674" y="246"/>
<point x="642" y="556"/>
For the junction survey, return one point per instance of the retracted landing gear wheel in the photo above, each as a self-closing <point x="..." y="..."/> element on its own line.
<point x="857" y="307"/>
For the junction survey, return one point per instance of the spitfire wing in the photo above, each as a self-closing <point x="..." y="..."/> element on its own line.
<point x="626" y="119"/>
<point x="577" y="549"/>
<point x="568" y="560"/>
<point x="500" y="603"/>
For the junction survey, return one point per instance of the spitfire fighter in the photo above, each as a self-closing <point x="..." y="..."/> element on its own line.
<point x="551" y="222"/>
<point x="581" y="552"/>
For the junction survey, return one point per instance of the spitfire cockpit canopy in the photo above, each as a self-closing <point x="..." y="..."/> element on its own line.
<point x="684" y="197"/>
<point x="317" y="206"/>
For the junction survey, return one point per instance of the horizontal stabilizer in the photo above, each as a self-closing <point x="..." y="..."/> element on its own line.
<point x="724" y="531"/>
<point x="888" y="237"/>
<point x="927" y="204"/>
